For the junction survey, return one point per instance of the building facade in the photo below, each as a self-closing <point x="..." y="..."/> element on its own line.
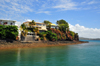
<point x="7" y="22"/>
<point x="40" y="26"/>
<point x="54" y="26"/>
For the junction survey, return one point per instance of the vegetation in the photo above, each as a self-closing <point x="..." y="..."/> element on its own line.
<point x="23" y="26"/>
<point x="72" y="34"/>
<point x="43" y="35"/>
<point x="63" y="25"/>
<point x="63" y="33"/>
<point x="48" y="24"/>
<point x="60" y="35"/>
<point x="51" y="36"/>
<point x="36" y="30"/>
<point x="48" y="35"/>
<point x="8" y="32"/>
<point x="25" y="30"/>
<point x="32" y="23"/>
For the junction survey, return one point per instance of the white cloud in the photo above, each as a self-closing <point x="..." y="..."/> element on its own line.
<point x="85" y="32"/>
<point x="92" y="2"/>
<point x="28" y="20"/>
<point x="46" y="12"/>
<point x="66" y="5"/>
<point x="36" y="20"/>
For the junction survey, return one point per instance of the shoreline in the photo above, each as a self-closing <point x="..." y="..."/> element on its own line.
<point x="36" y="44"/>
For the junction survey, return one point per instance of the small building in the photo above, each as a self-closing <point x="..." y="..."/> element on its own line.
<point x="7" y="22"/>
<point x="54" y="26"/>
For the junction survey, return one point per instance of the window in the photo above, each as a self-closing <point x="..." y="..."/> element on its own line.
<point x="5" y="23"/>
<point x="10" y="23"/>
<point x="43" y="24"/>
<point x="0" y="20"/>
<point x="38" y="24"/>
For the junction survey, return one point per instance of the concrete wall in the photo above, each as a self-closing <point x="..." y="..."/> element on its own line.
<point x="29" y="38"/>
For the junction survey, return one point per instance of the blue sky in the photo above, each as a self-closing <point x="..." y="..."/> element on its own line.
<point x="83" y="14"/>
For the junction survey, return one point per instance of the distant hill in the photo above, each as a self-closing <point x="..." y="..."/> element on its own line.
<point x="82" y="38"/>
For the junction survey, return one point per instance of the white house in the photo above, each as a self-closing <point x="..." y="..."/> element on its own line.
<point x="40" y="26"/>
<point x="7" y="22"/>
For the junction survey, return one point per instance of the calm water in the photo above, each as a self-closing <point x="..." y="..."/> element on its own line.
<point x="87" y="54"/>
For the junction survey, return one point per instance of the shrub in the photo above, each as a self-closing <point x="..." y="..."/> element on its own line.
<point x="51" y="36"/>
<point x="60" y="34"/>
<point x="2" y="32"/>
<point x="72" y="34"/>
<point x="43" y="35"/>
<point x="9" y="32"/>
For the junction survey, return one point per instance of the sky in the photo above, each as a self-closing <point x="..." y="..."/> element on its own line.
<point x="83" y="16"/>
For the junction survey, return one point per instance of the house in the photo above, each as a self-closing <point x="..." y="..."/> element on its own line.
<point x="54" y="26"/>
<point x="40" y="26"/>
<point x="7" y="22"/>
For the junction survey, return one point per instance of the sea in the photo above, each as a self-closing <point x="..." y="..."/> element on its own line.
<point x="86" y="54"/>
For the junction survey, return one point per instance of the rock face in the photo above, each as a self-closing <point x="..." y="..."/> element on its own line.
<point x="69" y="37"/>
<point x="76" y="37"/>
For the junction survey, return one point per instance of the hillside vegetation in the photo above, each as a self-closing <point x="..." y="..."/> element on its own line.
<point x="61" y="32"/>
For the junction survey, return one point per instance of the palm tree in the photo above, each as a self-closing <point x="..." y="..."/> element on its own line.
<point x="44" y="37"/>
<point x="36" y="30"/>
<point x="23" y="30"/>
<point x="32" y="23"/>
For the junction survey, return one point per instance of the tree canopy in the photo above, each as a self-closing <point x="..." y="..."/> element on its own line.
<point x="63" y="25"/>
<point x="23" y="26"/>
<point x="32" y="23"/>
<point x="48" y="23"/>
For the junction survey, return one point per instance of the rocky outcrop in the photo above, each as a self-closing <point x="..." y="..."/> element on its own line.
<point x="65" y="36"/>
<point x="76" y="37"/>
<point x="69" y="37"/>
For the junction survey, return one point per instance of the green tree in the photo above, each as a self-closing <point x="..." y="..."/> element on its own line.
<point x="32" y="23"/>
<point x="72" y="34"/>
<point x="51" y="36"/>
<point x="2" y="32"/>
<point x="48" y="23"/>
<point x="11" y="32"/>
<point x="23" y="26"/>
<point x="36" y="30"/>
<point x="8" y="32"/>
<point x="43" y="35"/>
<point x="24" y="30"/>
<point x="63" y="25"/>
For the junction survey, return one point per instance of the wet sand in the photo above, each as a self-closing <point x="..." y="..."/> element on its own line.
<point x="36" y="44"/>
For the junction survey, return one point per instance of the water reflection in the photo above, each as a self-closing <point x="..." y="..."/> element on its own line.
<point x="42" y="56"/>
<point x="18" y="56"/>
<point x="72" y="55"/>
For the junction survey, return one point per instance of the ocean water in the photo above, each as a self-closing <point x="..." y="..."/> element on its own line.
<point x="86" y="54"/>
